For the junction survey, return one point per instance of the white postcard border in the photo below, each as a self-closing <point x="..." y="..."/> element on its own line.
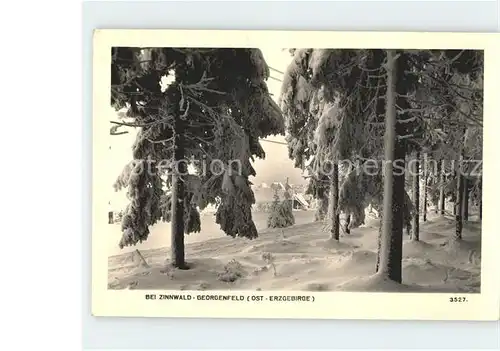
<point x="326" y="305"/>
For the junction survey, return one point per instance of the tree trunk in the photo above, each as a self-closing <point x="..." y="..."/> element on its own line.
<point x="347" y="230"/>
<point x="465" y="202"/>
<point x="481" y="208"/>
<point x="379" y="243"/>
<point x="459" y="203"/>
<point x="416" y="197"/>
<point x="481" y="199"/>
<point x="456" y="178"/>
<point x="407" y="218"/>
<point x="391" y="241"/>
<point x="178" y="192"/>
<point x="347" y="222"/>
<point x="424" y="209"/>
<point x="435" y="181"/>
<point x="111" y="219"/>
<point x="442" y="200"/>
<point x="333" y="202"/>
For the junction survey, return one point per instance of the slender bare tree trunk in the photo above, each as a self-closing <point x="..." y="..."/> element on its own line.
<point x="347" y="230"/>
<point x="455" y="197"/>
<point x="408" y="218"/>
<point x="379" y="243"/>
<point x="424" y="209"/>
<point x="442" y="200"/>
<point x="480" y="209"/>
<point x="347" y="222"/>
<point x="391" y="240"/>
<point x="465" y="202"/>
<point x="435" y="181"/>
<point x="416" y="197"/>
<point x="459" y="202"/>
<point x="481" y="199"/>
<point x="334" y="203"/>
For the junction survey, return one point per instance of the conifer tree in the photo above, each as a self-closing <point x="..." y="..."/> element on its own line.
<point x="317" y="125"/>
<point x="338" y="113"/>
<point x="281" y="215"/>
<point x="213" y="113"/>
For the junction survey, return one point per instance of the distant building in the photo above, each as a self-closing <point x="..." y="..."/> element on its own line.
<point x="264" y="196"/>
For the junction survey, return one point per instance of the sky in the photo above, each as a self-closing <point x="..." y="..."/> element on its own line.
<point x="275" y="167"/>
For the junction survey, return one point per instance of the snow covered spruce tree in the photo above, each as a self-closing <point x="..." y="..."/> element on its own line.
<point x="332" y="101"/>
<point x="301" y="123"/>
<point x="311" y="112"/>
<point x="209" y="117"/>
<point x="281" y="214"/>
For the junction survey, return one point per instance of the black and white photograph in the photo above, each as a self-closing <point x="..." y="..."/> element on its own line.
<point x="304" y="170"/>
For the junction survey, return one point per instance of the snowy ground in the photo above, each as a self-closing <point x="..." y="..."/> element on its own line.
<point x="306" y="260"/>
